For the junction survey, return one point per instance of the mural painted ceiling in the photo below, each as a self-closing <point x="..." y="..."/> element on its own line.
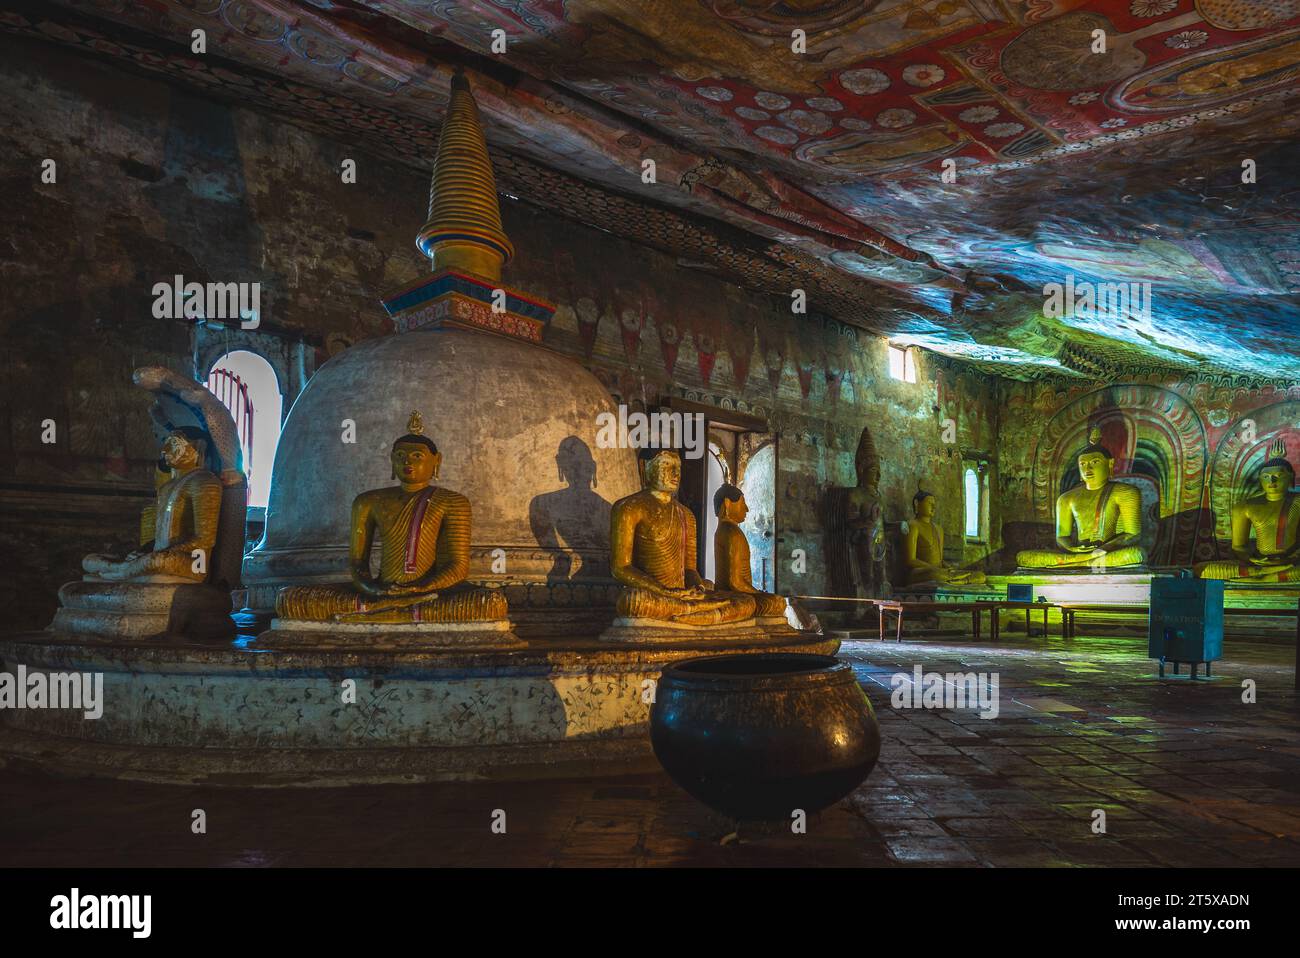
<point x="924" y="168"/>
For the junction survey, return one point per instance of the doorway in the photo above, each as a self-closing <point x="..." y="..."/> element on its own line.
<point x="740" y="451"/>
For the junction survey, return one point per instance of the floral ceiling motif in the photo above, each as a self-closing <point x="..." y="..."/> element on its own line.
<point x="956" y="155"/>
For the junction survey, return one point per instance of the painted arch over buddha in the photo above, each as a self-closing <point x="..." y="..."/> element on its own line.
<point x="1159" y="446"/>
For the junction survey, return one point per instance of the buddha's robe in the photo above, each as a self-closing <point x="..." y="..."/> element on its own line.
<point x="924" y="559"/>
<point x="1098" y="515"/>
<point x="1276" y="526"/>
<point x="424" y="558"/>
<point x="185" y="518"/>
<point x="652" y="549"/>
<point x="732" y="570"/>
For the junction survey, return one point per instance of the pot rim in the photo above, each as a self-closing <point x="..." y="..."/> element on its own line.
<point x="822" y="670"/>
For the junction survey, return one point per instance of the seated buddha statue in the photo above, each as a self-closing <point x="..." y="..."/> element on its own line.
<point x="923" y="549"/>
<point x="424" y="534"/>
<point x="185" y="517"/>
<point x="731" y="554"/>
<point x="652" y="553"/>
<point x="1273" y="518"/>
<point x="177" y="583"/>
<point x="1098" y="523"/>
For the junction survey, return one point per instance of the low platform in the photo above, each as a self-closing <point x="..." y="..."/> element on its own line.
<point x="957" y="594"/>
<point x="1262" y="595"/>
<point x="374" y="636"/>
<point x="247" y="714"/>
<point x="1118" y="588"/>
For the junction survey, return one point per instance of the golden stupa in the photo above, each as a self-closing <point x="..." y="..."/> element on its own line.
<point x="465" y="241"/>
<point x="464" y="230"/>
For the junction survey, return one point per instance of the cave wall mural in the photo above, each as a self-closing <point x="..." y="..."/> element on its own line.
<point x="1193" y="447"/>
<point x="823" y="171"/>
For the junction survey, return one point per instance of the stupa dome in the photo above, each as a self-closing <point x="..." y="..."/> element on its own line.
<point x="516" y="426"/>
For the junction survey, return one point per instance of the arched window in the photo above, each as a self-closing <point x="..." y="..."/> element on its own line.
<point x="973" y="505"/>
<point x="246" y="384"/>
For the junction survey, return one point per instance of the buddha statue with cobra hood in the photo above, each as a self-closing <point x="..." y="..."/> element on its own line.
<point x="180" y="579"/>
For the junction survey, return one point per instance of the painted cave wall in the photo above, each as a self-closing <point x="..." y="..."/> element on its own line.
<point x="153" y="181"/>
<point x="1193" y="443"/>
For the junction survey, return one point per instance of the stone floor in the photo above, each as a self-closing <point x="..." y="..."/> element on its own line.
<point x="1186" y="773"/>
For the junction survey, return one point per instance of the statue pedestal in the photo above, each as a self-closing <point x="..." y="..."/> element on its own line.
<point x="253" y="712"/>
<point x="374" y="636"/>
<point x="144" y="609"/>
<point x="667" y="632"/>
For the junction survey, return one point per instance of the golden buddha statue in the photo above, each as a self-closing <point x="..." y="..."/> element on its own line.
<point x="731" y="553"/>
<point x="923" y="549"/>
<point x="162" y="474"/>
<point x="1098" y="523"/>
<point x="424" y="534"/>
<point x="652" y="552"/>
<point x="178" y="582"/>
<point x="185" y="518"/>
<point x="1274" y="520"/>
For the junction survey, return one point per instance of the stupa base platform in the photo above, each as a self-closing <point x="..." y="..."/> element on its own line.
<point x="244" y="714"/>
<point x="385" y="636"/>
<point x="323" y="767"/>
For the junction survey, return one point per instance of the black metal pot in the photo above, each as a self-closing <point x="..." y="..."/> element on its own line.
<point x="757" y="736"/>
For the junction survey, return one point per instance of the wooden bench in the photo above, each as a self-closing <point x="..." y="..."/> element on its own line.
<point x="975" y="609"/>
<point x="899" y="608"/>
<point x="1070" y="609"/>
<point x="995" y="625"/>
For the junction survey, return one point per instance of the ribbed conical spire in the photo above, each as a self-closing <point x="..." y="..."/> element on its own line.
<point x="464" y="226"/>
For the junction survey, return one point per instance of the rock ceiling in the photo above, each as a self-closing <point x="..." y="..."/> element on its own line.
<point x="924" y="168"/>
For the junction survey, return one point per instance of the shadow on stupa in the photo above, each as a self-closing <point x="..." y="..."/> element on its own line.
<point x="573" y="521"/>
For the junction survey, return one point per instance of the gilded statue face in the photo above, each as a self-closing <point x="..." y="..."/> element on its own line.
<point x="735" y="510"/>
<point x="925" y="508"/>
<point x="663" y="473"/>
<point x="179" y="453"/>
<point x="414" y="464"/>
<point x="1275" y="481"/>
<point x="1095" y="469"/>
